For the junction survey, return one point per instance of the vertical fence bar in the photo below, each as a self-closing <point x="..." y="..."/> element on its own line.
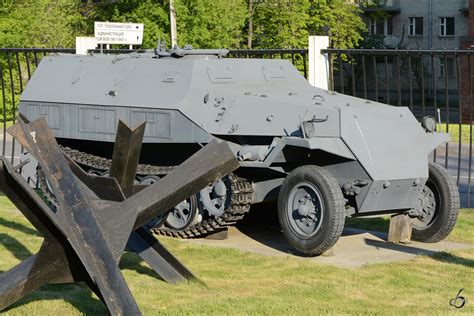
<point x="353" y="76"/>
<point x="410" y="80"/>
<point x="374" y="59"/>
<point x="305" y="70"/>
<point x="458" y="73"/>
<point x="28" y="65"/>
<point x="364" y="76"/>
<point x="422" y="70"/>
<point x="399" y="84"/>
<point x="341" y="72"/>
<point x="446" y="91"/>
<point x="470" y="132"/>
<point x="4" y="140"/>
<point x="387" y="80"/>
<point x="435" y="101"/>
<point x="12" y="86"/>
<point x="35" y="56"/>
<point x="20" y="77"/>
<point x="331" y="72"/>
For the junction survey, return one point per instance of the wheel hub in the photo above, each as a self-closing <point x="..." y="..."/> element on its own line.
<point x="305" y="209"/>
<point x="215" y="197"/>
<point x="181" y="216"/>
<point x="427" y="210"/>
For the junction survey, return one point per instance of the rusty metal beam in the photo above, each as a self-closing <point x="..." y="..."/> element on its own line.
<point x="128" y="144"/>
<point x="87" y="234"/>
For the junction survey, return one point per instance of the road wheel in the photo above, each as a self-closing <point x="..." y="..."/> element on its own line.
<point x="440" y="206"/>
<point x="311" y="209"/>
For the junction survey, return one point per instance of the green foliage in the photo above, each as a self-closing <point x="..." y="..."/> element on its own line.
<point x="340" y="19"/>
<point x="281" y="24"/>
<point x="211" y="24"/>
<point x="40" y="23"/>
<point x="372" y="41"/>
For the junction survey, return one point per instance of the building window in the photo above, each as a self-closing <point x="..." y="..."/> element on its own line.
<point x="446" y="67"/>
<point x="446" y="26"/>
<point x="416" y="26"/>
<point x="381" y="27"/>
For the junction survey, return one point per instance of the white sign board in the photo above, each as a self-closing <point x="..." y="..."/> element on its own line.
<point x="118" y="33"/>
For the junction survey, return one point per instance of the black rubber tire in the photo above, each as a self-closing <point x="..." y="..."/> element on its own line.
<point x="447" y="194"/>
<point x="334" y="214"/>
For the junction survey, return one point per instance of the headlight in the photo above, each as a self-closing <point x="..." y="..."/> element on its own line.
<point x="429" y="124"/>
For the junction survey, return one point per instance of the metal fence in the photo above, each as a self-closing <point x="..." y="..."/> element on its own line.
<point x="437" y="83"/>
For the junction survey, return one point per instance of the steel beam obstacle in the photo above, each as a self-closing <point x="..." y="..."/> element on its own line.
<point x="96" y="218"/>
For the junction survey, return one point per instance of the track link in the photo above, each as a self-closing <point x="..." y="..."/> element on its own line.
<point x="240" y="202"/>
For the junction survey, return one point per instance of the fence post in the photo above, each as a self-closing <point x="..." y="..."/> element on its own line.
<point x="318" y="62"/>
<point x="83" y="44"/>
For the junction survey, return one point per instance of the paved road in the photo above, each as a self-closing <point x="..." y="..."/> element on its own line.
<point x="465" y="185"/>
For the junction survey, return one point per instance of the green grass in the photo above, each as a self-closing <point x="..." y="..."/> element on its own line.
<point x="454" y="132"/>
<point x="243" y="283"/>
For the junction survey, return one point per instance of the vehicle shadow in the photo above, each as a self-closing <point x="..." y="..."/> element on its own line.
<point x="262" y="226"/>
<point x="450" y="258"/>
<point x="441" y="256"/>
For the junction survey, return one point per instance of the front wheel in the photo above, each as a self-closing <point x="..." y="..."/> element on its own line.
<point x="311" y="209"/>
<point x="440" y="206"/>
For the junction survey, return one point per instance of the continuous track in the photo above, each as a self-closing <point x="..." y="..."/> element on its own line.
<point x="240" y="199"/>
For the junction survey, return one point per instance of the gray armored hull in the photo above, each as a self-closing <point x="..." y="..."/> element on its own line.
<point x="273" y="119"/>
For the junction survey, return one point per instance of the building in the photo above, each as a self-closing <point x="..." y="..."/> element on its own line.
<point x="421" y="24"/>
<point x="426" y="25"/>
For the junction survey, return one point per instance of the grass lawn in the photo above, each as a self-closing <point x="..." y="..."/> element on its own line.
<point x="454" y="132"/>
<point x="242" y="283"/>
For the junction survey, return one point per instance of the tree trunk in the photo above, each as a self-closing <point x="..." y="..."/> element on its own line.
<point x="174" y="33"/>
<point x="250" y="30"/>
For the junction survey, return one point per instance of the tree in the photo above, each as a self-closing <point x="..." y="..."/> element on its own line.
<point x="252" y="5"/>
<point x="211" y="24"/>
<point x="40" y="23"/>
<point x="340" y="19"/>
<point x="287" y="23"/>
<point x="281" y="23"/>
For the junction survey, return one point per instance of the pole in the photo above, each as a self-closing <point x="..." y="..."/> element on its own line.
<point x="318" y="62"/>
<point x="250" y="32"/>
<point x="174" y="33"/>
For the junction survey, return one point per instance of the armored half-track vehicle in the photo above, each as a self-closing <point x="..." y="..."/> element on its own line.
<point x="323" y="156"/>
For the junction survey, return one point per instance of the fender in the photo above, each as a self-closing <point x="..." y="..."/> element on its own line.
<point x="433" y="140"/>
<point x="335" y="146"/>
